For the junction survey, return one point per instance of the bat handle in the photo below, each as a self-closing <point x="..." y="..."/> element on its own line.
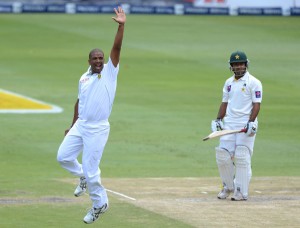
<point x="244" y="130"/>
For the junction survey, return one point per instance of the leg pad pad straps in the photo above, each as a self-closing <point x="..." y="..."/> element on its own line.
<point x="226" y="167"/>
<point x="243" y="169"/>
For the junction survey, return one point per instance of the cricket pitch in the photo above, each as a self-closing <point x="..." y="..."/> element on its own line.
<point x="273" y="201"/>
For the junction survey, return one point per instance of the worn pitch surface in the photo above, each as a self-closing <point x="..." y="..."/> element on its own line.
<point x="273" y="201"/>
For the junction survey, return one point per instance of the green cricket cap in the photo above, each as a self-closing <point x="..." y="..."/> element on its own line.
<point x="238" y="57"/>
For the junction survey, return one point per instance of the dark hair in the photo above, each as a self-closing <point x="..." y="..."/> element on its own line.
<point x="95" y="50"/>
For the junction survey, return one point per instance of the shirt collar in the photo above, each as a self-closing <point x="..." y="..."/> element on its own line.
<point x="89" y="72"/>
<point x="244" y="78"/>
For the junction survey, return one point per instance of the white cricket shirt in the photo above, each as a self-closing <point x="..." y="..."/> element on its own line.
<point x="96" y="93"/>
<point x="240" y="94"/>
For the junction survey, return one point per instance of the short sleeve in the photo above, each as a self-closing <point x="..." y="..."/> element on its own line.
<point x="256" y="91"/>
<point x="112" y="71"/>
<point x="79" y="88"/>
<point x="226" y="90"/>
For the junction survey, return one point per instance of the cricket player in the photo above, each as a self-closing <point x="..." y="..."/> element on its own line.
<point x="242" y="96"/>
<point x="90" y="127"/>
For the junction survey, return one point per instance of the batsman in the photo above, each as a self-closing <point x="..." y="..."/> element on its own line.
<point x="242" y="96"/>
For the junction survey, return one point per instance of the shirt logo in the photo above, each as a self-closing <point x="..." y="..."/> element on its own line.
<point x="228" y="88"/>
<point x="84" y="80"/>
<point x="244" y="87"/>
<point x="99" y="76"/>
<point x="257" y="94"/>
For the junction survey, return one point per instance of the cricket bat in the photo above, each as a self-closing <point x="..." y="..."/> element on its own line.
<point x="216" y="134"/>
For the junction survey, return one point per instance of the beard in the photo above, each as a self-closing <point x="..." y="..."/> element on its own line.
<point x="239" y="71"/>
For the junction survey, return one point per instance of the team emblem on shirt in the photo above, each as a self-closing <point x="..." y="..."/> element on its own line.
<point x="99" y="76"/>
<point x="244" y="88"/>
<point x="84" y="80"/>
<point x="257" y="94"/>
<point x="228" y="88"/>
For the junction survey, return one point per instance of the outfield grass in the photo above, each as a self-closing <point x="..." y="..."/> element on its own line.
<point x="169" y="89"/>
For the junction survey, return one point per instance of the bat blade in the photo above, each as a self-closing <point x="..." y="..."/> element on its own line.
<point x="216" y="134"/>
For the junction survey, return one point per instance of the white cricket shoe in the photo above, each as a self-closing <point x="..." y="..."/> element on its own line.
<point x="81" y="188"/>
<point x="94" y="214"/>
<point x="238" y="196"/>
<point x="224" y="193"/>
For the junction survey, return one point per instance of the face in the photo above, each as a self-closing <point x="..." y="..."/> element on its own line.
<point x="96" y="60"/>
<point x="239" y="69"/>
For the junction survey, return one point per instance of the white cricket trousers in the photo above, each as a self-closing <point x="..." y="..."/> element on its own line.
<point x="90" y="138"/>
<point x="230" y="143"/>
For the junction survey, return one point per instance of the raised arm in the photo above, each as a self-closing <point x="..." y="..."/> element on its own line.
<point x="116" y="49"/>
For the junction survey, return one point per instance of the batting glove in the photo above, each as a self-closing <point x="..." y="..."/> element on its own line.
<point x="217" y="125"/>
<point x="251" y="128"/>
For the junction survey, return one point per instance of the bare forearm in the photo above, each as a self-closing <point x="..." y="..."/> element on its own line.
<point x="116" y="49"/>
<point x="119" y="37"/>
<point x="222" y="110"/>
<point x="255" y="111"/>
<point x="75" y="117"/>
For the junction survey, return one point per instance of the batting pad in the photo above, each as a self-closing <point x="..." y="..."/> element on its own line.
<point x="243" y="169"/>
<point x="226" y="167"/>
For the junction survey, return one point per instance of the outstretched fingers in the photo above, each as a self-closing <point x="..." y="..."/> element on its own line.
<point x="120" y="15"/>
<point x="119" y="10"/>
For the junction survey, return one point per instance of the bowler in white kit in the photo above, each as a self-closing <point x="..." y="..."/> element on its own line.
<point x="242" y="96"/>
<point x="90" y="127"/>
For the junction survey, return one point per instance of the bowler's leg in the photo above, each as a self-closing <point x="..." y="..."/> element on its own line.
<point x="94" y="144"/>
<point x="68" y="152"/>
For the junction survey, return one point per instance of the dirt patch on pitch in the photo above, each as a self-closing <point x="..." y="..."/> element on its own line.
<point x="273" y="201"/>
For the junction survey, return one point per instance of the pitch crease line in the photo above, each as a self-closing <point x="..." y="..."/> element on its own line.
<point x="120" y="194"/>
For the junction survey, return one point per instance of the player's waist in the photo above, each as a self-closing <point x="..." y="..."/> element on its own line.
<point x="237" y="119"/>
<point x="93" y="123"/>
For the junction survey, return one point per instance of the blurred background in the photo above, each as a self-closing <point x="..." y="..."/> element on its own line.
<point x="206" y="7"/>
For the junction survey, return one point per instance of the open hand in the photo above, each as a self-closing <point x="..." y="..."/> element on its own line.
<point x="120" y="16"/>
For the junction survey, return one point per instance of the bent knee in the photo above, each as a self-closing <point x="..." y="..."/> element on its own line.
<point x="61" y="158"/>
<point x="222" y="156"/>
<point x="242" y="156"/>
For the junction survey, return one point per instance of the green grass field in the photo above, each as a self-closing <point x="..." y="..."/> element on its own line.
<point x="169" y="89"/>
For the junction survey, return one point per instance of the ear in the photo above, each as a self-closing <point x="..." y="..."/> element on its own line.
<point x="247" y="63"/>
